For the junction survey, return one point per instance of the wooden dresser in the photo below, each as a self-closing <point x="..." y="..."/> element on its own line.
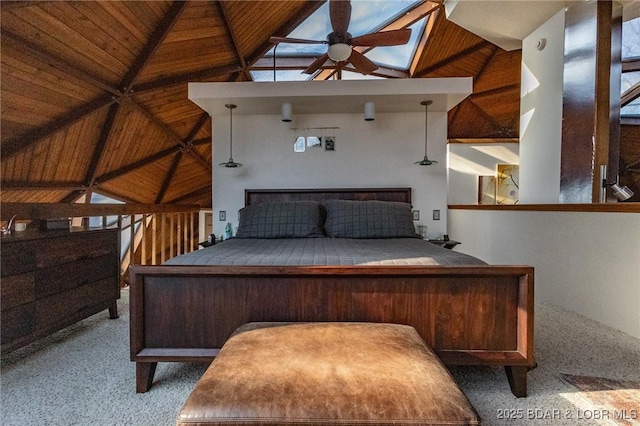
<point x="52" y="279"/>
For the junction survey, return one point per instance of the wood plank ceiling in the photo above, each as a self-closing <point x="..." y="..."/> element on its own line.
<point x="94" y="94"/>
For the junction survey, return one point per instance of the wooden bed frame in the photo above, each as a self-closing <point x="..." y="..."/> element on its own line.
<point x="470" y="315"/>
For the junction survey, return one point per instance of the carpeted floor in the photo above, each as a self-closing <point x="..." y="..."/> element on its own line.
<point x="83" y="376"/>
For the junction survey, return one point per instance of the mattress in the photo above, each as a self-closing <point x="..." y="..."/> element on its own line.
<point x="323" y="252"/>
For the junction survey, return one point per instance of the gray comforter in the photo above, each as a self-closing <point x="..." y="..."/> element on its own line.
<point x="324" y="251"/>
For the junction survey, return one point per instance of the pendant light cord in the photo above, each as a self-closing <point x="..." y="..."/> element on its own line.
<point x="426" y="127"/>
<point x="230" y="132"/>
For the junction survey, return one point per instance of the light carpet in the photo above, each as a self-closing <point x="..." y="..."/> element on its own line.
<point x="82" y="376"/>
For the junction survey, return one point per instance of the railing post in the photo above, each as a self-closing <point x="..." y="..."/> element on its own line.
<point x="192" y="232"/>
<point x="163" y="246"/>
<point x="154" y="231"/>
<point x="171" y="250"/>
<point x="143" y="240"/>
<point x="132" y="241"/>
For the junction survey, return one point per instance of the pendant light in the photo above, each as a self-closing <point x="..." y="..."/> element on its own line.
<point x="425" y="161"/>
<point x="231" y="163"/>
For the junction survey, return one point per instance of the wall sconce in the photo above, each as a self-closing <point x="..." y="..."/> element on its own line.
<point x="287" y="111"/>
<point x="622" y="193"/>
<point x="369" y="111"/>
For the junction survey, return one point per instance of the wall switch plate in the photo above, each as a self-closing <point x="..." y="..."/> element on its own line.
<point x="436" y="215"/>
<point x="222" y="216"/>
<point x="416" y="214"/>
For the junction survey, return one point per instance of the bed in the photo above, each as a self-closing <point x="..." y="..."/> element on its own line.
<point x="469" y="312"/>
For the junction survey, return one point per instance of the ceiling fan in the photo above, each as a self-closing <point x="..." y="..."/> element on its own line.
<point x="341" y="42"/>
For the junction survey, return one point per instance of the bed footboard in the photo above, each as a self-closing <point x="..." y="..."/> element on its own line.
<point x="470" y="315"/>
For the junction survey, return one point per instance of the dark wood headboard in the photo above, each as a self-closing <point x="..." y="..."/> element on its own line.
<point x="257" y="196"/>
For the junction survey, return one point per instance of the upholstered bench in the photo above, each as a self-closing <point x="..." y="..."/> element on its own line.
<point x="326" y="374"/>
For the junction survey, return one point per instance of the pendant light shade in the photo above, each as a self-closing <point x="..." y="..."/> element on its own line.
<point x="425" y="161"/>
<point x="231" y="163"/>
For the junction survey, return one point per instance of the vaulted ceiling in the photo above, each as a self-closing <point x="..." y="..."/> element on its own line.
<point x="94" y="94"/>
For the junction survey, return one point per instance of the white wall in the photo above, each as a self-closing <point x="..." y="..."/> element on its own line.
<point x="541" y="113"/>
<point x="368" y="154"/>
<point x="468" y="161"/>
<point x="585" y="262"/>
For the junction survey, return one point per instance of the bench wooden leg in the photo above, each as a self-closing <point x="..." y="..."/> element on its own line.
<point x="144" y="375"/>
<point x="517" y="376"/>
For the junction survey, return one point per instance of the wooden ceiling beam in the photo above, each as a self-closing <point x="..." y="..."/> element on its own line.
<point x="495" y="91"/>
<point x="136" y="165"/>
<point x="630" y="65"/>
<point x="425" y="39"/>
<point x="12" y="147"/>
<point x="167" y="130"/>
<point x="155" y="40"/>
<point x="105" y="131"/>
<point x="143" y="162"/>
<point x="169" y="177"/>
<point x="453" y="58"/>
<point x="185" y="78"/>
<point x="630" y="95"/>
<point x="501" y="130"/>
<point x="222" y="9"/>
<point x="483" y="68"/>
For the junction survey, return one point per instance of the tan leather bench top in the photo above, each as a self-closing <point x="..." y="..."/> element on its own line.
<point x="326" y="374"/>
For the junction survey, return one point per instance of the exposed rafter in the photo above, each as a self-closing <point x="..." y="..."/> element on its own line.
<point x="155" y="40"/>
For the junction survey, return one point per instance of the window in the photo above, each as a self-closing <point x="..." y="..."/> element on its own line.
<point x="630" y="86"/>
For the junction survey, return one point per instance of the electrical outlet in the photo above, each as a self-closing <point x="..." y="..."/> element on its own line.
<point x="416" y="214"/>
<point x="222" y="216"/>
<point x="436" y="215"/>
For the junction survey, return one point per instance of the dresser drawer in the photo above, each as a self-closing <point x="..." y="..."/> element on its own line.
<point x="70" y="275"/>
<point x="56" y="251"/>
<point x="17" y="257"/>
<point x="56" y="308"/>
<point x="17" y="322"/>
<point x="17" y="290"/>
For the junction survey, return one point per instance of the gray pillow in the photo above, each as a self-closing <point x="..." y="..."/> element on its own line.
<point x="369" y="219"/>
<point x="294" y="219"/>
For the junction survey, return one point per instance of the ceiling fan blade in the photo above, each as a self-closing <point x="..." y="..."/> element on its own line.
<point x="383" y="38"/>
<point x="277" y="40"/>
<point x="315" y="65"/>
<point x="361" y="63"/>
<point x="340" y="14"/>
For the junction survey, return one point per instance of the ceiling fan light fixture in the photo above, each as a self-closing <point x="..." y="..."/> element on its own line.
<point x="339" y="52"/>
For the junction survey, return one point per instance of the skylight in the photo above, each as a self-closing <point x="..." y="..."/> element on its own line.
<point x="630" y="79"/>
<point x="366" y="16"/>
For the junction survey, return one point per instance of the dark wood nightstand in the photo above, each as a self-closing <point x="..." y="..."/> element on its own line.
<point x="448" y="244"/>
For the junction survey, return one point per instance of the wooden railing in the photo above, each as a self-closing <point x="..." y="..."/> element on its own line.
<point x="151" y="233"/>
